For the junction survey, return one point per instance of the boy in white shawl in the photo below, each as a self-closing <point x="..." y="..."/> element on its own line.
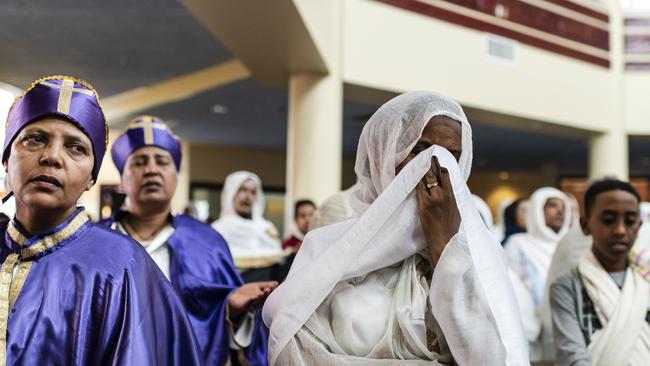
<point x="599" y="310"/>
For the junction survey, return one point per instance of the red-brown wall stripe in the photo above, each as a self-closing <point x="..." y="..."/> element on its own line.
<point x="531" y="16"/>
<point x="463" y="20"/>
<point x="581" y="9"/>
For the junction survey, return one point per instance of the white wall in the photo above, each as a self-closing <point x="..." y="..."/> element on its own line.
<point x="388" y="48"/>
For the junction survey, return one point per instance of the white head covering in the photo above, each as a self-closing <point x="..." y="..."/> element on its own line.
<point x="644" y="211"/>
<point x="386" y="230"/>
<point x="231" y="186"/>
<point x="384" y="145"/>
<point x="334" y="209"/>
<point x="485" y="211"/>
<point x="247" y="238"/>
<point x="535" y="219"/>
<point x="530" y="255"/>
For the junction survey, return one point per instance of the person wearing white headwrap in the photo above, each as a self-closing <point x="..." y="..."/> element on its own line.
<point x="414" y="277"/>
<point x="529" y="256"/>
<point x="334" y="209"/>
<point x="600" y="307"/>
<point x="499" y="222"/>
<point x="253" y="241"/>
<point x="485" y="212"/>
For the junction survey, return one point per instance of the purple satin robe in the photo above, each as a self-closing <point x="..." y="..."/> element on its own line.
<point x="203" y="274"/>
<point x="95" y="298"/>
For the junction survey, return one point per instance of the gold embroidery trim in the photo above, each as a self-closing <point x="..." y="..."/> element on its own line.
<point x="16" y="235"/>
<point x="65" y="95"/>
<point x="261" y="262"/>
<point x="146" y="123"/>
<point x="10" y="285"/>
<point x="18" y="281"/>
<point x="54" y="239"/>
<point x="6" y="275"/>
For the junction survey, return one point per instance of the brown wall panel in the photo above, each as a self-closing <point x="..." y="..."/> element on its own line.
<point x="467" y="21"/>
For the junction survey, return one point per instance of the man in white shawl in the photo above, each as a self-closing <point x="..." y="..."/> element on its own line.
<point x="414" y="277"/>
<point x="254" y="241"/>
<point x="600" y="308"/>
<point x="529" y="256"/>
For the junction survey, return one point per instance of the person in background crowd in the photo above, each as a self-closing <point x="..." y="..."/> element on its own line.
<point x="303" y="212"/>
<point x="600" y="307"/>
<point x="195" y="258"/>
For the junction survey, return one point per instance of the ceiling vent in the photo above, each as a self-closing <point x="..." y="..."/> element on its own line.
<point x="500" y="49"/>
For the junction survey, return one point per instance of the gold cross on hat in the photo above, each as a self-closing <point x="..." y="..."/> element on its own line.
<point x="147" y="124"/>
<point x="65" y="96"/>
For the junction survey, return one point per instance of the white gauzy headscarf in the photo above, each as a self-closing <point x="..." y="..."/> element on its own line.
<point x="247" y="238"/>
<point x="529" y="256"/>
<point x="479" y="316"/>
<point x="485" y="212"/>
<point x="535" y="219"/>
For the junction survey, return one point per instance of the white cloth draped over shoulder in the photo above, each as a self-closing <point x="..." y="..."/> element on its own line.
<point x="250" y="240"/>
<point x="624" y="339"/>
<point x="529" y="257"/>
<point x="357" y="294"/>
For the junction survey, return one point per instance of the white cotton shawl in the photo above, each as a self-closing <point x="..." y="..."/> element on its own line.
<point x="565" y="258"/>
<point x="247" y="238"/>
<point x="625" y="337"/>
<point x="470" y="295"/>
<point x="529" y="257"/>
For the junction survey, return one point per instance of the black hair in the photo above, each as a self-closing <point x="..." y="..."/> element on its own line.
<point x="510" y="214"/>
<point x="606" y="185"/>
<point x="301" y="203"/>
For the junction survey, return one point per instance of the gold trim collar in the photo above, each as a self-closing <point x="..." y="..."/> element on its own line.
<point x="44" y="243"/>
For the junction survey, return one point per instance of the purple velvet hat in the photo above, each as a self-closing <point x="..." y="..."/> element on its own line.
<point x="145" y="131"/>
<point x="62" y="96"/>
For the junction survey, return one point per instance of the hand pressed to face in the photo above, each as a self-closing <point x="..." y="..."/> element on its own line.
<point x="249" y="297"/>
<point x="245" y="199"/>
<point x="149" y="176"/>
<point x="437" y="208"/>
<point x="613" y="224"/>
<point x="49" y="167"/>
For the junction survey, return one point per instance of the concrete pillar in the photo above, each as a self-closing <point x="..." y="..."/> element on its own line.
<point x="315" y="131"/>
<point x="314" y="138"/>
<point x="182" y="194"/>
<point x="608" y="155"/>
<point x="608" y="151"/>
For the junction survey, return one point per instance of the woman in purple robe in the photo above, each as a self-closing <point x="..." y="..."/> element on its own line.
<point x="195" y="258"/>
<point x="71" y="292"/>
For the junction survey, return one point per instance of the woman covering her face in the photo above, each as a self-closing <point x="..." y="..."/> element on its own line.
<point x="414" y="277"/>
<point x="71" y="292"/>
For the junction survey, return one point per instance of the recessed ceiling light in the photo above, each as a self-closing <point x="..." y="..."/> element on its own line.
<point x="219" y="109"/>
<point x="504" y="175"/>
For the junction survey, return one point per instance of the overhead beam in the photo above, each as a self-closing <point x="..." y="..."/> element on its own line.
<point x="120" y="106"/>
<point x="269" y="37"/>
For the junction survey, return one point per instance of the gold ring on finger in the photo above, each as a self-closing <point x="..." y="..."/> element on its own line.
<point x="431" y="185"/>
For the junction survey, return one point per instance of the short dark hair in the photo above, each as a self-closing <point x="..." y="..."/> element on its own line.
<point x="606" y="185"/>
<point x="301" y="203"/>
